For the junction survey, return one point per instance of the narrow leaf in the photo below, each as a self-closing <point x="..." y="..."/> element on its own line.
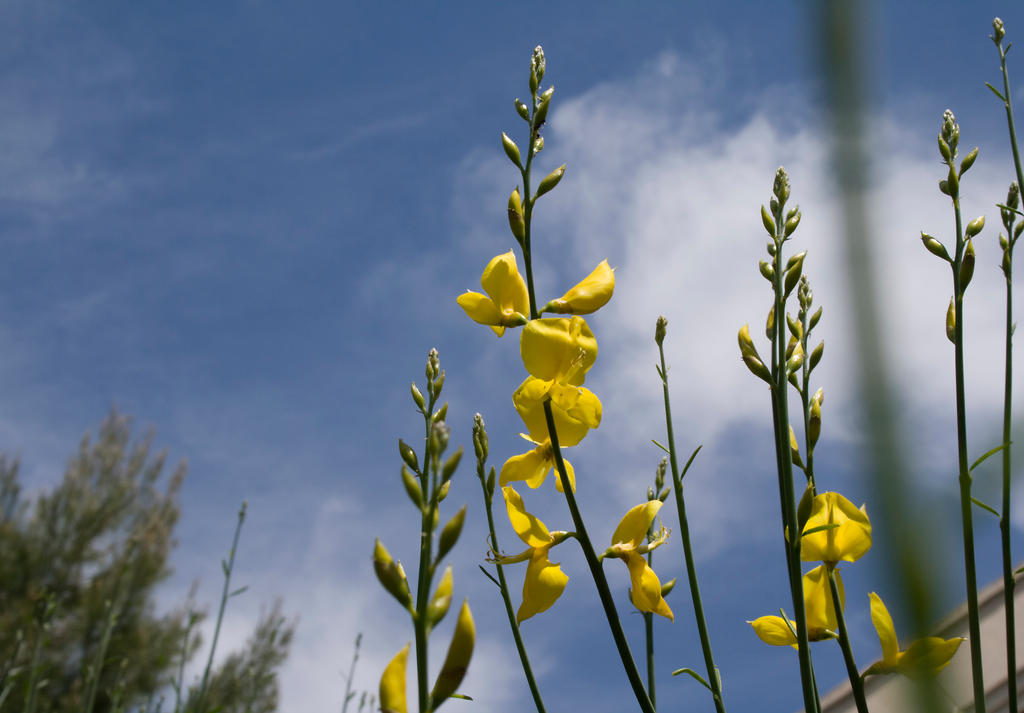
<point x="996" y="92"/>
<point x="983" y="506"/>
<point x="821" y="528"/>
<point x="489" y="576"/>
<point x="661" y="446"/>
<point x="461" y="696"/>
<point x="693" y="673"/>
<point x="987" y="454"/>
<point x="238" y="591"/>
<point x="692" y="456"/>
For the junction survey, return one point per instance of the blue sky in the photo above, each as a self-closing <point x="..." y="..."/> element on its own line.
<point x="246" y="224"/>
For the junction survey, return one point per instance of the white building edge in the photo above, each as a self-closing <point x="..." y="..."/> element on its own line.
<point x="895" y="694"/>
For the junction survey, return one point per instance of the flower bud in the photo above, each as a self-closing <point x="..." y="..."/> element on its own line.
<point x="767" y="221"/>
<point x="815" y="356"/>
<point x="417" y="397"/>
<point x="587" y="296"/>
<point x="515" y="216"/>
<point x="538" y="145"/>
<point x="795" y="327"/>
<point x="550" y="181"/>
<point x="442" y="598"/>
<point x="433" y="365"/>
<point x="392" y="684"/>
<point x="974" y="227"/>
<point x="769" y="327"/>
<point x="522" y="110"/>
<point x="511" y="150"/>
<point x="792" y="223"/>
<point x="967" y="266"/>
<point x="947" y="155"/>
<point x="767" y="271"/>
<point x="412" y="487"/>
<point x="814" y="423"/>
<point x="934" y="247"/>
<point x="480" y="443"/>
<point x="390" y="574"/>
<point x="538" y="63"/>
<point x="668" y="587"/>
<point x="796" y="361"/>
<point x="442" y="492"/>
<point x="794" y="269"/>
<point x="794" y="449"/>
<point x="660" y="328"/>
<point x="408" y="455"/>
<point x="998" y="31"/>
<point x="450" y="533"/>
<point x="951" y="320"/>
<point x="460" y="651"/>
<point x="969" y="160"/>
<point x="441" y="414"/>
<point x="541" y="115"/>
<point x="781" y="186"/>
<point x="490" y="483"/>
<point x="439" y="432"/>
<point x="450" y="465"/>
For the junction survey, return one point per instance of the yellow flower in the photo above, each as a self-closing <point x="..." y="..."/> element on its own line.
<point x="506" y="303"/>
<point x="848" y="541"/>
<point x="923" y="658"/>
<point x="629" y="543"/>
<point x="545" y="581"/>
<point x="589" y="295"/>
<point x="558" y="349"/>
<point x="534" y="466"/>
<point x="575" y="410"/>
<point x="819" y="611"/>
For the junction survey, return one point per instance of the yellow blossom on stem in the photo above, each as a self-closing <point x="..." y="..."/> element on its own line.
<point x="818" y="609"/>
<point x="534" y="466"/>
<point x="558" y="349"/>
<point x="923" y="658"/>
<point x="544" y="581"/>
<point x="575" y="409"/>
<point x="629" y="543"/>
<point x="589" y="295"/>
<point x="506" y="303"/>
<point x="846" y="535"/>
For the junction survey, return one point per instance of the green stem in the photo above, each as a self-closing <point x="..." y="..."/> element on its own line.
<point x="420" y="624"/>
<point x="649" y="640"/>
<point x="225" y="595"/>
<point x="1004" y="520"/>
<point x="684" y="533"/>
<point x="966" y="507"/>
<point x="595" y="570"/>
<point x="506" y="598"/>
<point x="96" y="669"/>
<point x="781" y="411"/>
<point x="844" y="643"/>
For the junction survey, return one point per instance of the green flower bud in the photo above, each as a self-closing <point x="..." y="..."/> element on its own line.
<point x="550" y="181"/>
<point x="408" y="455"/>
<point x="511" y="150"/>
<point x="781" y="186"/>
<point x="969" y="160"/>
<point x="442" y="598"/>
<point x="442" y="492"/>
<point x="441" y="414"/>
<point x="814" y="420"/>
<point x="480" y="444"/>
<point x="541" y="115"/>
<point x="660" y="327"/>
<point x="450" y="465"/>
<point x="439" y="432"/>
<point x="515" y="216"/>
<point x="815" y="318"/>
<point x="794" y="270"/>
<point x="998" y="31"/>
<point x="412" y="487"/>
<point x="522" y="110"/>
<point x="668" y="587"/>
<point x="460" y="651"/>
<point x="974" y="227"/>
<point x="947" y="155"/>
<point x="769" y="325"/>
<point x="792" y="223"/>
<point x="816" y="356"/>
<point x="967" y="266"/>
<point x="767" y="221"/>
<point x="391" y="575"/>
<point x="951" y="320"/>
<point x="767" y="271"/>
<point x="417" y="397"/>
<point x="935" y="247"/>
<point x="450" y="533"/>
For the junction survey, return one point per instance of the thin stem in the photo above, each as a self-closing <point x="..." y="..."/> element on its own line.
<point x="844" y="643"/>
<point x="225" y="595"/>
<point x="781" y="412"/>
<point x="420" y="624"/>
<point x="506" y="598"/>
<point x="595" y="570"/>
<point x="1004" y="521"/>
<point x="649" y="640"/>
<point x="349" y="693"/>
<point x="684" y="533"/>
<point x="96" y="669"/>
<point x="966" y="507"/>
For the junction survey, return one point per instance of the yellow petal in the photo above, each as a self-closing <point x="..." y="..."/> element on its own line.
<point x="589" y="295"/>
<point x="559" y="349"/>
<point x="392" y="684"/>
<point x="645" y="591"/>
<point x="883" y="625"/>
<point x="544" y="583"/>
<point x="633" y="527"/>
<point x="773" y="630"/>
<point x="529" y="402"/>
<point x="819" y="610"/>
<point x="927" y="656"/>
<point x="530" y="530"/>
<point x="532" y="467"/>
<point x="849" y="541"/>
<point x="502" y="281"/>
<point x="569" y="471"/>
<point x="578" y="402"/>
<point x="480" y="308"/>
